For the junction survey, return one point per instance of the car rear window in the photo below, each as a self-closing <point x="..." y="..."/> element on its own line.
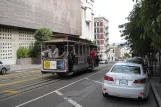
<point x="126" y="69"/>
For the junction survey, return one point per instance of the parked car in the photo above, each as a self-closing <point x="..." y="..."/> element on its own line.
<point x="4" y="68"/>
<point x="104" y="61"/>
<point x="139" y="60"/>
<point x="128" y="80"/>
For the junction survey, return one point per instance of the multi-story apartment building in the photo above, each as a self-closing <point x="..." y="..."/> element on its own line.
<point x="20" y="18"/>
<point x="101" y="35"/>
<point x="87" y="20"/>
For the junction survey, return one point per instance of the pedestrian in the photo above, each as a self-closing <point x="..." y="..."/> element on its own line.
<point x="93" y="55"/>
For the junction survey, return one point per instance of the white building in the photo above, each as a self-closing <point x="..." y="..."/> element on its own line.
<point x="111" y="54"/>
<point x="87" y="20"/>
<point x="101" y="35"/>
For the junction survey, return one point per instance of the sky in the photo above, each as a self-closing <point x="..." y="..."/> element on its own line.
<point x="115" y="11"/>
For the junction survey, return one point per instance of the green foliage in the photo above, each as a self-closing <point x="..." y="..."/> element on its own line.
<point x="36" y="50"/>
<point x="23" y="53"/>
<point x="133" y="30"/>
<point x="43" y="34"/>
<point x="151" y="21"/>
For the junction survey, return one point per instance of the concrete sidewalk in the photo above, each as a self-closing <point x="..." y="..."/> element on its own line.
<point x="25" y="67"/>
<point x="156" y="86"/>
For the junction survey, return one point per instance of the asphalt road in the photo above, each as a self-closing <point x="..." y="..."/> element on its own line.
<point x="31" y="89"/>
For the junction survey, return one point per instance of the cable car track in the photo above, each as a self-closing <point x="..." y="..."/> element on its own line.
<point x="27" y="88"/>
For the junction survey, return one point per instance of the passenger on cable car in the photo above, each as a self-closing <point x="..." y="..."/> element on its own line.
<point x="55" y="51"/>
<point x="48" y="52"/>
<point x="64" y="54"/>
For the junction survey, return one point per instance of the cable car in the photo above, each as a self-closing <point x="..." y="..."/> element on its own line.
<point x="74" y="56"/>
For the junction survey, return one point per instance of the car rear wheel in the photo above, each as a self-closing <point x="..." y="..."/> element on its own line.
<point x="3" y="71"/>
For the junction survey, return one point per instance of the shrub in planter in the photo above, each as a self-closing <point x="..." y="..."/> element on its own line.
<point x="22" y="53"/>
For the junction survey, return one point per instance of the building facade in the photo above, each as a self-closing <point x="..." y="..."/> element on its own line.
<point x="20" y="18"/>
<point x="87" y="20"/>
<point x="101" y="35"/>
<point x="123" y="51"/>
<point x="114" y="53"/>
<point x="111" y="54"/>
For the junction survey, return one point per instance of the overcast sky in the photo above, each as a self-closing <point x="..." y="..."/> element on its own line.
<point x="115" y="11"/>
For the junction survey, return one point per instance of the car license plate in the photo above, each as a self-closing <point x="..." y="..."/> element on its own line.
<point x="123" y="82"/>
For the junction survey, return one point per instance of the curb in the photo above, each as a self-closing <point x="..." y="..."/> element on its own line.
<point x="156" y="94"/>
<point x="25" y="69"/>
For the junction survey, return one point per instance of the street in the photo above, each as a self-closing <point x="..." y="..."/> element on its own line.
<point x="32" y="89"/>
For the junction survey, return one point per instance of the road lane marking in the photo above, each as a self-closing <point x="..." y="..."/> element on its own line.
<point x="60" y="94"/>
<point x="27" y="102"/>
<point x="68" y="99"/>
<point x="17" y="74"/>
<point x="94" y="80"/>
<point x="17" y="82"/>
<point x="11" y="91"/>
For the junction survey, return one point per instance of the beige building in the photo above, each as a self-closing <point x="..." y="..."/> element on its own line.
<point x="114" y="53"/>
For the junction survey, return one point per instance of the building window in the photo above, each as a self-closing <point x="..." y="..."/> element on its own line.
<point x="102" y="42"/>
<point x="95" y="36"/>
<point x="98" y="24"/>
<point x="98" y="36"/>
<point x="101" y="30"/>
<point x="98" y="42"/>
<point x="101" y="23"/>
<point x="94" y="30"/>
<point x="98" y="30"/>
<point x="94" y="23"/>
<point x="101" y="36"/>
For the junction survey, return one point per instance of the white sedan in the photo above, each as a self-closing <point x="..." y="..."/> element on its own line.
<point x="127" y="80"/>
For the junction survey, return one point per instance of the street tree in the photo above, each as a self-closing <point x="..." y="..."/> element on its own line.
<point x="132" y="32"/>
<point x="41" y="35"/>
<point x="143" y="30"/>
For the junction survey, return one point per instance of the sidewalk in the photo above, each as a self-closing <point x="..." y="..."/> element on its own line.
<point x="156" y="86"/>
<point x="25" y="67"/>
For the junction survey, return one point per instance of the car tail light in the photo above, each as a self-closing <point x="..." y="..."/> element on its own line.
<point x="108" y="78"/>
<point x="140" y="81"/>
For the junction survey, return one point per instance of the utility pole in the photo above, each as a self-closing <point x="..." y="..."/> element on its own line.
<point x="41" y="53"/>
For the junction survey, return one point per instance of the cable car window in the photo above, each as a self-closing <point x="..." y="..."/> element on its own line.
<point x="80" y="50"/>
<point x="84" y="50"/>
<point x="76" y="50"/>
